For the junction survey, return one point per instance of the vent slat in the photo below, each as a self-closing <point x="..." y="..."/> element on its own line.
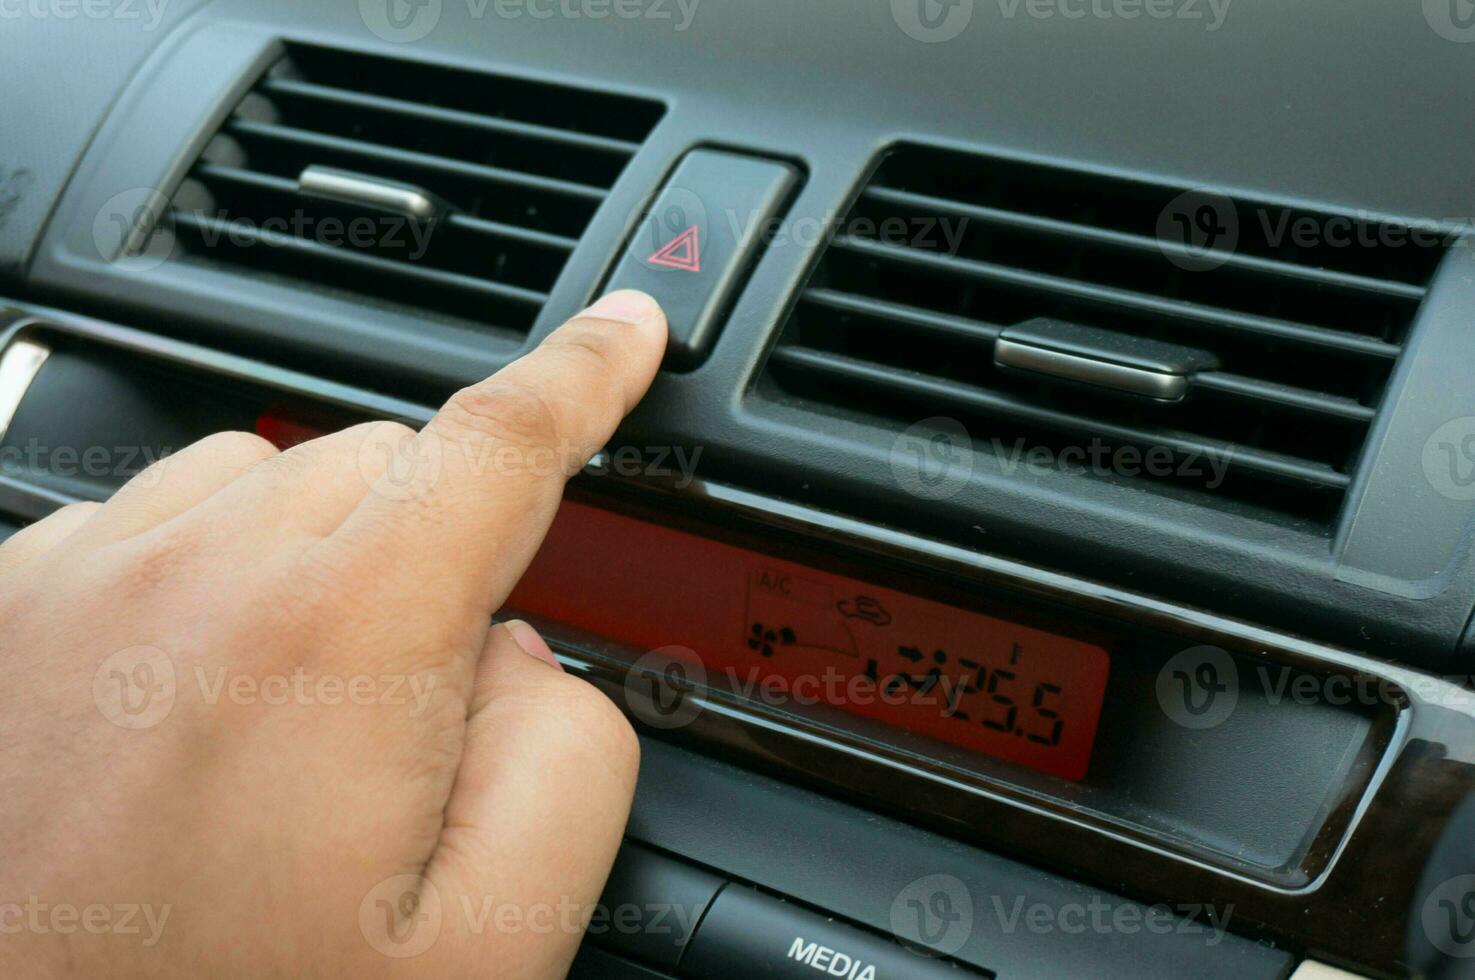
<point x="240" y="175"/>
<point x="1285" y="396"/>
<point x="410" y="158"/>
<point x="480" y="226"/>
<point x="419" y="275"/>
<point x="940" y="324"/>
<point x="983" y="335"/>
<point x="965" y="397"/>
<point x="564" y="107"/>
<point x="498" y="229"/>
<point x="1122" y="299"/>
<point x="453" y="117"/>
<point x="1076" y="231"/>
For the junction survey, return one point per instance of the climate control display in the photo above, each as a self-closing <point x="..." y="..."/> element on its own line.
<point x="790" y="634"/>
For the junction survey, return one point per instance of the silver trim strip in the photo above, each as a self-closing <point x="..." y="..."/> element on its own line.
<point x="1089" y="370"/>
<point x="1314" y="970"/>
<point x="19" y="364"/>
<point x="387" y="194"/>
<point x="30" y="502"/>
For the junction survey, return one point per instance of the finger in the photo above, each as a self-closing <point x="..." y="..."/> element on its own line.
<point x="537" y="811"/>
<point x="170" y="486"/>
<point x="46" y="534"/>
<point x="470" y="500"/>
<point x="310" y="488"/>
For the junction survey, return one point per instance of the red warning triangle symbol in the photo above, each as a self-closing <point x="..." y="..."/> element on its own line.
<point x="682" y="252"/>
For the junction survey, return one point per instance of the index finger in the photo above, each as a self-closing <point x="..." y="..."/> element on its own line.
<point x="468" y="499"/>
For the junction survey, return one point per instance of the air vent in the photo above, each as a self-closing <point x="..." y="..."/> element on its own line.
<point x="1051" y="308"/>
<point x="441" y="190"/>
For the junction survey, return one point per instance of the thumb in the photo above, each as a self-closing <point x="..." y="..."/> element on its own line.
<point x="536" y="815"/>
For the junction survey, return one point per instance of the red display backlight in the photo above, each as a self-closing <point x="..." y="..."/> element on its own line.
<point x="975" y="681"/>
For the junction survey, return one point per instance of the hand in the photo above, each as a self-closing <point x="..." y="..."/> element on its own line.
<point x="255" y="721"/>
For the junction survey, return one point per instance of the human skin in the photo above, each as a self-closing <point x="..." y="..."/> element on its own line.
<point x="351" y="763"/>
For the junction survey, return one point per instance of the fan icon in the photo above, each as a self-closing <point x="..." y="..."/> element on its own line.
<point x="763" y="640"/>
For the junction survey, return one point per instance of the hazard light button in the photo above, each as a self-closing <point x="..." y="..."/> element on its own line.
<point x="698" y="240"/>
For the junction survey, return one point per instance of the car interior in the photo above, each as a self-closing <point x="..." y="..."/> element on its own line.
<point x="1046" y="548"/>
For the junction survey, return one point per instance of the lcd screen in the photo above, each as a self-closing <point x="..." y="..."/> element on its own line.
<point x="785" y="633"/>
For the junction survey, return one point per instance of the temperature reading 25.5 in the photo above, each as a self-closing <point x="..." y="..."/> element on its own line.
<point x="983" y="694"/>
<point x="999" y="689"/>
<point x="1017" y="694"/>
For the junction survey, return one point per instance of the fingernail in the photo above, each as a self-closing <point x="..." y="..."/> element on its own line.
<point x="624" y="306"/>
<point x="532" y="644"/>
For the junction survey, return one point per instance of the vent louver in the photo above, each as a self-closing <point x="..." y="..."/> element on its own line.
<point x="514" y="168"/>
<point x="1285" y="323"/>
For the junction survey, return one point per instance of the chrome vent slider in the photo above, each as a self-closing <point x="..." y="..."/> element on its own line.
<point x="387" y="195"/>
<point x="1122" y="363"/>
<point x="20" y="362"/>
